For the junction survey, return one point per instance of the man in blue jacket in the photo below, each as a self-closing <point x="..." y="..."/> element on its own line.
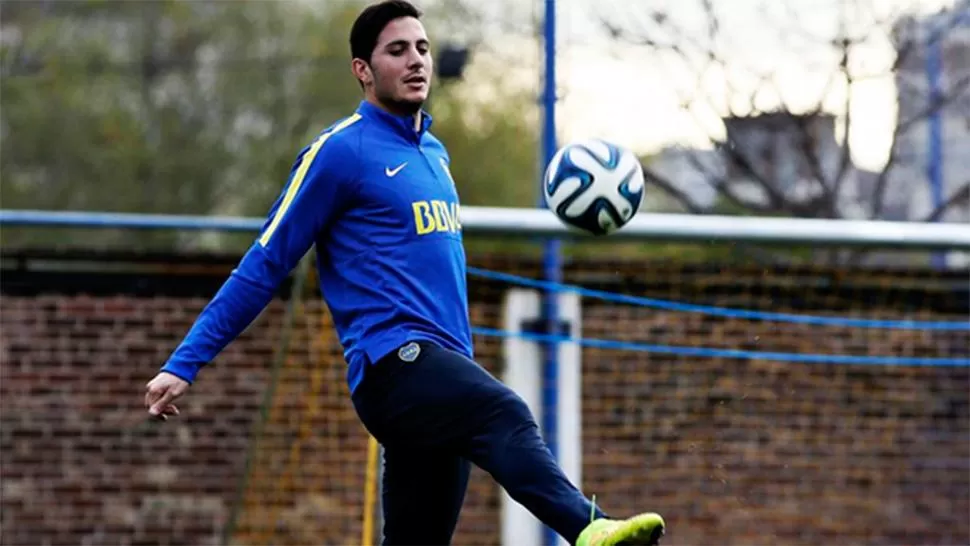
<point x="374" y="194"/>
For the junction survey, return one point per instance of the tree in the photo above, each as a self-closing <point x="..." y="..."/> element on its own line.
<point x="188" y="107"/>
<point x="770" y="154"/>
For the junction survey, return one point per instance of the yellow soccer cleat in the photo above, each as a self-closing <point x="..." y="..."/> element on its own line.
<point x="641" y="530"/>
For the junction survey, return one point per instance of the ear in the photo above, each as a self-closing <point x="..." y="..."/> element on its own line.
<point x="362" y="71"/>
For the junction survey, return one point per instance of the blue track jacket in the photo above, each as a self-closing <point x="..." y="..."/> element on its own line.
<point x="375" y="195"/>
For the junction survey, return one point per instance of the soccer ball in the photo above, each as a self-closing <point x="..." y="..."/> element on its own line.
<point x="594" y="186"/>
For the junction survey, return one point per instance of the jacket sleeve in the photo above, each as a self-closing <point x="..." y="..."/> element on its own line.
<point x="319" y="187"/>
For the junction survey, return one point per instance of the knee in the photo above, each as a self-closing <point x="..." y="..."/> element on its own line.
<point x="516" y="425"/>
<point x="515" y="453"/>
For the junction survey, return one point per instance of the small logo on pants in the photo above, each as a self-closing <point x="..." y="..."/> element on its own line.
<point x="409" y="352"/>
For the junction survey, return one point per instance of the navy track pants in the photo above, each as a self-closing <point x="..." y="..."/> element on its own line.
<point x="437" y="414"/>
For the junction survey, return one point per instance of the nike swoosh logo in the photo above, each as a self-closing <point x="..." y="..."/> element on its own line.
<point x="391" y="172"/>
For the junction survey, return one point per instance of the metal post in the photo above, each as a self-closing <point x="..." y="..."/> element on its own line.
<point x="934" y="166"/>
<point x="551" y="259"/>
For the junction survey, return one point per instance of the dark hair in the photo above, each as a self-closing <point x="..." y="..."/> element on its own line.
<point x="371" y="22"/>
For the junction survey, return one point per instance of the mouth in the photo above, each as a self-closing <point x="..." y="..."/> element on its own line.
<point x="416" y="80"/>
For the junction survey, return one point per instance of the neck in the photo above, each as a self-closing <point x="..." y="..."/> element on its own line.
<point x="396" y="108"/>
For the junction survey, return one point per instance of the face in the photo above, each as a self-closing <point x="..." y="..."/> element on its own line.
<point x="399" y="74"/>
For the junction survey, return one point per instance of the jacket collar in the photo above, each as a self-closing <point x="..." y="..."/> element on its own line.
<point x="409" y="127"/>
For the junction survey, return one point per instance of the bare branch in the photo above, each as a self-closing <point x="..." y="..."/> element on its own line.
<point x="796" y="28"/>
<point x="961" y="196"/>
<point x="776" y="198"/>
<point x="893" y="15"/>
<point x="681" y="197"/>
<point x="911" y="43"/>
<point x="808" y="146"/>
<point x="878" y="198"/>
<point x="677" y="44"/>
<point x="778" y="201"/>
<point x="939" y="102"/>
<point x="845" y="160"/>
<point x="806" y="138"/>
<point x="879" y="192"/>
<point x="722" y="185"/>
<point x="713" y="25"/>
<point x="730" y="147"/>
<point x="829" y="170"/>
<point x="673" y="191"/>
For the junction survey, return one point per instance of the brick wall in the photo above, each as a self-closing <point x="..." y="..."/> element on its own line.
<point x="732" y="451"/>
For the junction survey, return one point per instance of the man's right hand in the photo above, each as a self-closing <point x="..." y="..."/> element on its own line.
<point x="161" y="392"/>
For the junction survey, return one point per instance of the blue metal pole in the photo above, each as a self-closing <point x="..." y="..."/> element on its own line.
<point x="551" y="256"/>
<point x="934" y="167"/>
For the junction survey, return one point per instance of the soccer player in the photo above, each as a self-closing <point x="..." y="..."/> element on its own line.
<point x="374" y="194"/>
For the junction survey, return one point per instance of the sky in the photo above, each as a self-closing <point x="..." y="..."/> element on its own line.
<point x="633" y="97"/>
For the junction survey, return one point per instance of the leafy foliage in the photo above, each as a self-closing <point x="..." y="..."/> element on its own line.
<point x="184" y="107"/>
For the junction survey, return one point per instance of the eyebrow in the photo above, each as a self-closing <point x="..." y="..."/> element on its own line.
<point x="396" y="43"/>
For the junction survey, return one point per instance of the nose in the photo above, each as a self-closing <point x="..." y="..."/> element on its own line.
<point x="415" y="59"/>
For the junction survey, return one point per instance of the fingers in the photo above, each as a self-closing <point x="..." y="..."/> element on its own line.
<point x="151" y="394"/>
<point x="154" y="391"/>
<point x="169" y="410"/>
<point x="160" y="392"/>
<point x="162" y="402"/>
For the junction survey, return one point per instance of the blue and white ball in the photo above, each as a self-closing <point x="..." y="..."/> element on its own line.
<point x="594" y="186"/>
